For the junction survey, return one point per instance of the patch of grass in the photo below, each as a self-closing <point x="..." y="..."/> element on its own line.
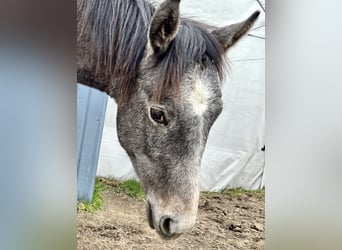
<point x="133" y="188"/>
<point x="237" y="192"/>
<point x="130" y="187"/>
<point x="112" y="184"/>
<point x="97" y="200"/>
<point x="240" y="191"/>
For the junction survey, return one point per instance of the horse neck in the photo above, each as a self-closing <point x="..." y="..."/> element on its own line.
<point x="102" y="82"/>
<point x="115" y="75"/>
<point x="88" y="75"/>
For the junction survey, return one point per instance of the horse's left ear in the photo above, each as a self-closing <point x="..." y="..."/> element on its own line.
<point x="230" y="34"/>
<point x="164" y="26"/>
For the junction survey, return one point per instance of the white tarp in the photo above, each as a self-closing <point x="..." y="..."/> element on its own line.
<point x="233" y="156"/>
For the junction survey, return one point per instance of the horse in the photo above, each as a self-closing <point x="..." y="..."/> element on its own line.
<point x="165" y="73"/>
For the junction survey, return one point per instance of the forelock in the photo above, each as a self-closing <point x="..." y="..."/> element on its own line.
<point x="193" y="45"/>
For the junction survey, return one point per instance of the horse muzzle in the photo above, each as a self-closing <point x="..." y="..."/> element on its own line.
<point x="170" y="223"/>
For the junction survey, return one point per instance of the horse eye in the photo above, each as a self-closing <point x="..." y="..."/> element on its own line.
<point x="158" y="116"/>
<point x="204" y="60"/>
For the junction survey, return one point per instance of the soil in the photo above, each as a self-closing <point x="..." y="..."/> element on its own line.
<point x="224" y="222"/>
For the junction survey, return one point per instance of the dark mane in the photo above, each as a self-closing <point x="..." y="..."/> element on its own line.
<point x="118" y="37"/>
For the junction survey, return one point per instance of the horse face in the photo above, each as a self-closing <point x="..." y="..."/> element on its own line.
<point x="165" y="137"/>
<point x="165" y="142"/>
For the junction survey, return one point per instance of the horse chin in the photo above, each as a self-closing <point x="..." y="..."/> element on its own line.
<point x="163" y="237"/>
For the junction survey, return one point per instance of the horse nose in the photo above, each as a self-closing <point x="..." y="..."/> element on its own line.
<point x="167" y="226"/>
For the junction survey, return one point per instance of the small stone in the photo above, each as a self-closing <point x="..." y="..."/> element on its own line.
<point x="206" y="204"/>
<point x="235" y="228"/>
<point x="258" y="227"/>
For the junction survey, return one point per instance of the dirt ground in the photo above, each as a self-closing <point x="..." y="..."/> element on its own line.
<point x="224" y="222"/>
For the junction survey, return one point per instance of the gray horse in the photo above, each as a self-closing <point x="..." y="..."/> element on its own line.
<point x="165" y="74"/>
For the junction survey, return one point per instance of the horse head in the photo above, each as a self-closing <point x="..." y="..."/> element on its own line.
<point x="166" y="121"/>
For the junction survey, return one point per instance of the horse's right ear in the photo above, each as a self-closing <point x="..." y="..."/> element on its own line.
<point x="229" y="35"/>
<point x="164" y="26"/>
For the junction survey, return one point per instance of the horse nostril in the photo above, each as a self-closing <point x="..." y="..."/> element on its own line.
<point x="166" y="226"/>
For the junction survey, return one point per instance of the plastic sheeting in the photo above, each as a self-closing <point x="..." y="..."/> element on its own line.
<point x="233" y="157"/>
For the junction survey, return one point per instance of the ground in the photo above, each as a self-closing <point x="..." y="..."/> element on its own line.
<point x="231" y="220"/>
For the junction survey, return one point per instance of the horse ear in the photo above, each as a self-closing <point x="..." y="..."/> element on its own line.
<point x="230" y="34"/>
<point x="164" y="26"/>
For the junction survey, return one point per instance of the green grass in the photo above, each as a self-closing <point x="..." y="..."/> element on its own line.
<point x="130" y="187"/>
<point x="97" y="200"/>
<point x="133" y="188"/>
<point x="236" y="192"/>
<point x="240" y="191"/>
